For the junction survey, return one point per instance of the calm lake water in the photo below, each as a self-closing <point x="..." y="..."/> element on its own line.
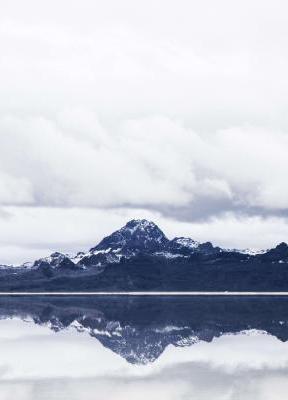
<point x="166" y="348"/>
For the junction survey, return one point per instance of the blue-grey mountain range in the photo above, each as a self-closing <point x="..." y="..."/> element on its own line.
<point x="140" y="257"/>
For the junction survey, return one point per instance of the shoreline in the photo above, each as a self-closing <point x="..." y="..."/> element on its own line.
<point x="218" y="293"/>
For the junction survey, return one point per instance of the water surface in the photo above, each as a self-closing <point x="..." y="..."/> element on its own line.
<point x="146" y="347"/>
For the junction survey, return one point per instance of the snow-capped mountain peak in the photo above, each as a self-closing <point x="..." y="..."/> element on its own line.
<point x="54" y="261"/>
<point x="140" y="224"/>
<point x="140" y="237"/>
<point x="185" y="242"/>
<point x="136" y="235"/>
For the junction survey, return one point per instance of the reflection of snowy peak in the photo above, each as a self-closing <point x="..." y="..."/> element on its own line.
<point x="140" y="329"/>
<point x="137" y="346"/>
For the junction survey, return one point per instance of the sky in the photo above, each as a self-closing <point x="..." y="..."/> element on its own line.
<point x="173" y="111"/>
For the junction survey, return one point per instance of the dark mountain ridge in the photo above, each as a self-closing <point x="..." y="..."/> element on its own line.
<point x="140" y="257"/>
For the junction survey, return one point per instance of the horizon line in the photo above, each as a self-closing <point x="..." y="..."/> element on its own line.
<point x="141" y="293"/>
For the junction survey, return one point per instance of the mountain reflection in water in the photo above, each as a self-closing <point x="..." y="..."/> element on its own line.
<point x="222" y="348"/>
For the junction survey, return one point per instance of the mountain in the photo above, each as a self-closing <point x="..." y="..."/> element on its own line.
<point x="137" y="236"/>
<point x="55" y="261"/>
<point x="140" y="257"/>
<point x="278" y="254"/>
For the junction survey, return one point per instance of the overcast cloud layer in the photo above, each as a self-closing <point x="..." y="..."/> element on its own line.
<point x="172" y="110"/>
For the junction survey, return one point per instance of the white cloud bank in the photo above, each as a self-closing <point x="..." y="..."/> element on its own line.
<point x="170" y="107"/>
<point x="156" y="162"/>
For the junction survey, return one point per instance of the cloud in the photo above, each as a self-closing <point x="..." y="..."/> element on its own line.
<point x="152" y="162"/>
<point x="113" y="107"/>
<point x="197" y="63"/>
<point x="15" y="190"/>
<point x="66" y="170"/>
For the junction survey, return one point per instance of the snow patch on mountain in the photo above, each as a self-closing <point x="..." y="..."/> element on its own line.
<point x="250" y="252"/>
<point x="186" y="242"/>
<point x="168" y="254"/>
